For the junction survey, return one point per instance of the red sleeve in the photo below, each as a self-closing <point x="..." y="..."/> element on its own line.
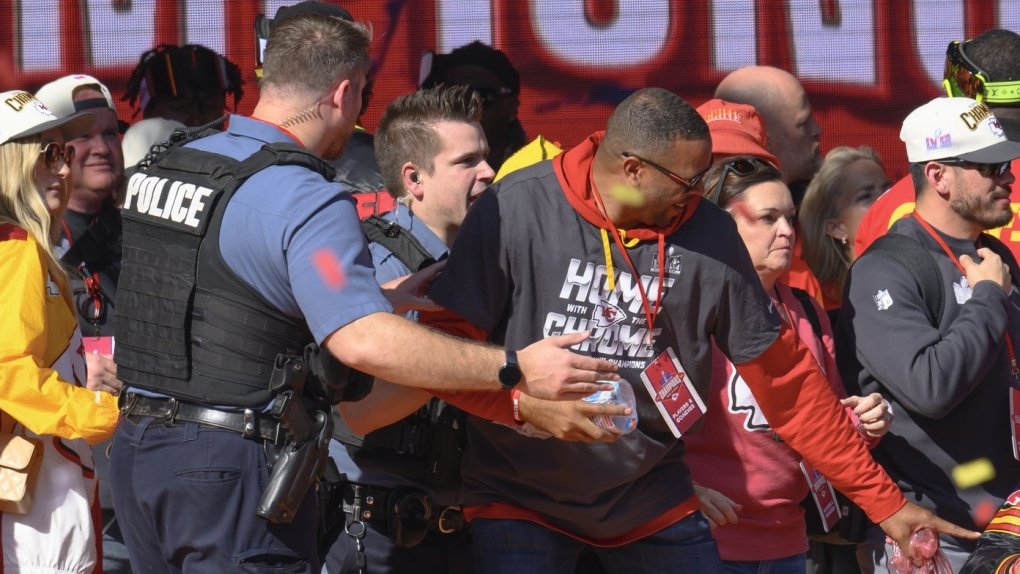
<point x="451" y="323"/>
<point x="494" y="406"/>
<point x="799" y="403"/>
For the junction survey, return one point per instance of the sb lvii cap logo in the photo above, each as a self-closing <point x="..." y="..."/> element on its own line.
<point x="959" y="128"/>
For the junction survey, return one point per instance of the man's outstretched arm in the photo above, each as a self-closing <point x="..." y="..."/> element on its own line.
<point x="798" y="402"/>
<point x="397" y="350"/>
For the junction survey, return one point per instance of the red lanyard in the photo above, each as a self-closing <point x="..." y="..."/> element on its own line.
<point x="650" y="312"/>
<point x="92" y="287"/>
<point x="952" y="257"/>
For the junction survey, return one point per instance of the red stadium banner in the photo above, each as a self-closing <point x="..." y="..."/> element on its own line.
<point x="865" y="64"/>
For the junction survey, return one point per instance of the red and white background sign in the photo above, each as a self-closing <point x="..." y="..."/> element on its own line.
<point x="865" y="63"/>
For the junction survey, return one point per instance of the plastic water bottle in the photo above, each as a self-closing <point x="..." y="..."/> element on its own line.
<point x="621" y="394"/>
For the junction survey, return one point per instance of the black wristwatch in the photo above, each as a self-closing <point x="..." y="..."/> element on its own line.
<point x="510" y="372"/>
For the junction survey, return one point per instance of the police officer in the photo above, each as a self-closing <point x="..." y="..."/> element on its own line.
<point x="432" y="150"/>
<point x="239" y="252"/>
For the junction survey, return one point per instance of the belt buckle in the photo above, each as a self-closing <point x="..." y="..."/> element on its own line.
<point x="440" y="526"/>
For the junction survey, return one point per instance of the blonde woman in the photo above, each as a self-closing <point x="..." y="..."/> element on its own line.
<point x="42" y="368"/>
<point x="849" y="181"/>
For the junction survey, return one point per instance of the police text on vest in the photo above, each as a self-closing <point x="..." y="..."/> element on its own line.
<point x="180" y="200"/>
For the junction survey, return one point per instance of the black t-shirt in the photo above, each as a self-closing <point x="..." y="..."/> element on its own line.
<point x="100" y="262"/>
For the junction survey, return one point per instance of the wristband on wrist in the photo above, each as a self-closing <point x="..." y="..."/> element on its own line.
<point x="515" y="397"/>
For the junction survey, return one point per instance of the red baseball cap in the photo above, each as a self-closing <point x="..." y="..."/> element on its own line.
<point x="736" y="129"/>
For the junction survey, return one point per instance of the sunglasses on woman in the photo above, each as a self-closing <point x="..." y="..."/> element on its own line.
<point x="739" y="167"/>
<point x="52" y="153"/>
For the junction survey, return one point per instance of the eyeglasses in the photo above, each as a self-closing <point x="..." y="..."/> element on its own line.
<point x="489" y="95"/>
<point x="53" y="152"/>
<point x="687" y="183"/>
<point x="962" y="77"/>
<point x="985" y="169"/>
<point x="742" y="167"/>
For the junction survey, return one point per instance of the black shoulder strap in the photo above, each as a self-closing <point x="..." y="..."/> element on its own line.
<point x="1000" y="249"/>
<point x="399" y="241"/>
<point x="807" y="302"/>
<point x="912" y="255"/>
<point x="284" y="154"/>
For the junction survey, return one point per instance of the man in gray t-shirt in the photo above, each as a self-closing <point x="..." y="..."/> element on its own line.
<point x="611" y="237"/>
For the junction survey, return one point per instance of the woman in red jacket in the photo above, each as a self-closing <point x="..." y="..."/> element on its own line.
<point x="751" y="482"/>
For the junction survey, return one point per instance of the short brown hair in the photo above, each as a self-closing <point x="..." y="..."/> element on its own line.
<point x="313" y="52"/>
<point x="407" y="129"/>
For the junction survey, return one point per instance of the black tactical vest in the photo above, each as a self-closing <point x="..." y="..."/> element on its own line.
<point x="186" y="325"/>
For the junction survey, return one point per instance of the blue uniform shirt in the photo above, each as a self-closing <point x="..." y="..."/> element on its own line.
<point x="388" y="267"/>
<point x="284" y="222"/>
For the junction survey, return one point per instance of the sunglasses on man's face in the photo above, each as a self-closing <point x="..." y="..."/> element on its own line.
<point x="985" y="169"/>
<point x="740" y="168"/>
<point x="687" y="183"/>
<point x="53" y="153"/>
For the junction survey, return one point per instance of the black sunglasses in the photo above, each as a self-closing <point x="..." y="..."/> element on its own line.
<point x="985" y="169"/>
<point x="742" y="167"/>
<point x="53" y="152"/>
<point x="687" y="183"/>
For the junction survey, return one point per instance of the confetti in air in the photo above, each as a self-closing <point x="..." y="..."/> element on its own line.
<point x="329" y="268"/>
<point x="973" y="473"/>
<point x="629" y="196"/>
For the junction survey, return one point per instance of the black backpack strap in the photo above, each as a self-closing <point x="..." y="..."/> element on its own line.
<point x="921" y="265"/>
<point x="807" y="302"/>
<point x="399" y="241"/>
<point x="1003" y="252"/>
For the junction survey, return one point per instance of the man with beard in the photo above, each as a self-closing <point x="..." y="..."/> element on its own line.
<point x="949" y="369"/>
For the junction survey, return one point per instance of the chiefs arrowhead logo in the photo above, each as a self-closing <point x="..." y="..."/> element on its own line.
<point x="605" y="314"/>
<point x="741" y="400"/>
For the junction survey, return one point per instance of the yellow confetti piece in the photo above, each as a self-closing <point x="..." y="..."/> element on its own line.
<point x="973" y="473"/>
<point x="629" y="196"/>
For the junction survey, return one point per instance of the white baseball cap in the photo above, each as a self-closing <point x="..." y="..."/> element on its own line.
<point x="143" y="134"/>
<point x="960" y="128"/>
<point x="22" y="115"/>
<point x="58" y="95"/>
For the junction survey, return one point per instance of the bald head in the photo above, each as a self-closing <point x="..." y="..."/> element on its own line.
<point x="793" y="134"/>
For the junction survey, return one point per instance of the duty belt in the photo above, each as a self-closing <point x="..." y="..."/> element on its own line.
<point x="396" y="511"/>
<point x="171" y="411"/>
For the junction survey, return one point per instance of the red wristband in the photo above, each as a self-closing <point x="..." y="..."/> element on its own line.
<point x="515" y="397"/>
